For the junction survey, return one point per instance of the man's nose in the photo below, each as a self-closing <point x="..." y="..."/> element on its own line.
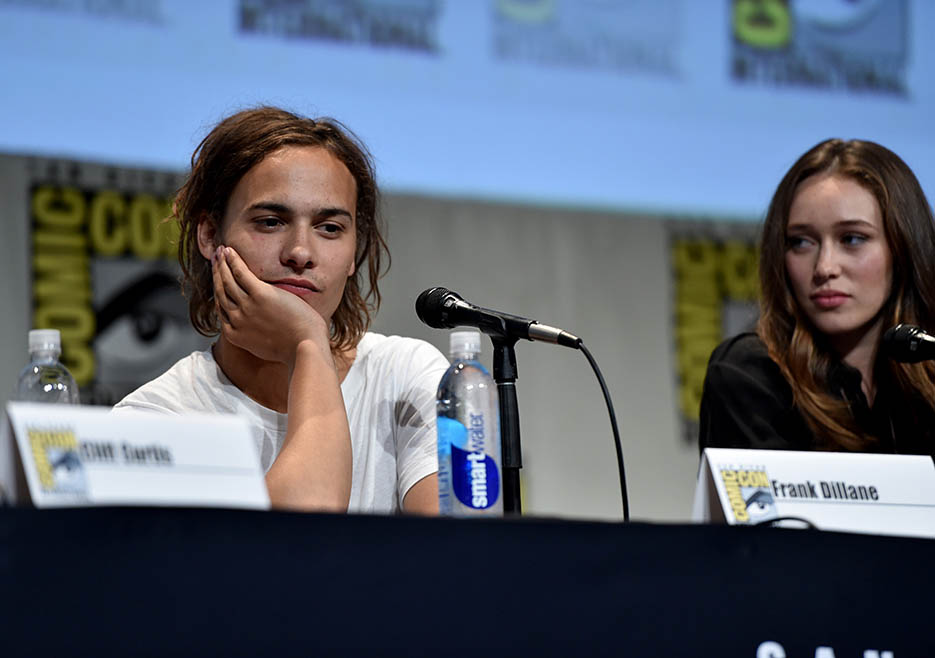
<point x="298" y="252"/>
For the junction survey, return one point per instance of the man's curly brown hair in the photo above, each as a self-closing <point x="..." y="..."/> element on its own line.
<point x="230" y="150"/>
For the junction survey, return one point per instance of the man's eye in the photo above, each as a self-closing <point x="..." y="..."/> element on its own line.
<point x="331" y="228"/>
<point x="268" y="222"/>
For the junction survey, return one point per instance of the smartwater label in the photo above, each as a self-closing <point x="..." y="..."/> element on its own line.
<point x="475" y="478"/>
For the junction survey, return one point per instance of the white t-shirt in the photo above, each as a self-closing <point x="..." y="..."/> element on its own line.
<point x="389" y="394"/>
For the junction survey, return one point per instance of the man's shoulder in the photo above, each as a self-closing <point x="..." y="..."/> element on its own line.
<point x="397" y="362"/>
<point x="174" y="390"/>
<point x="382" y="347"/>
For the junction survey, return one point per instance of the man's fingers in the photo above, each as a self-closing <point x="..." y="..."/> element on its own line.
<point x="225" y="318"/>
<point x="219" y="294"/>
<point x="234" y="293"/>
<point x="244" y="278"/>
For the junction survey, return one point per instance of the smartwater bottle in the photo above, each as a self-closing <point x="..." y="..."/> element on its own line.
<point x="468" y="434"/>
<point x="46" y="379"/>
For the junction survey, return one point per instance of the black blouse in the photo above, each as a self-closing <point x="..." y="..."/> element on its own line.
<point x="747" y="403"/>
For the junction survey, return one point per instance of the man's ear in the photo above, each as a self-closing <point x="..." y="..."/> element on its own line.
<point x="207" y="237"/>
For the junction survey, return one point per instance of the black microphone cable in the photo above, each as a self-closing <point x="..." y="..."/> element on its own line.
<point x="613" y="425"/>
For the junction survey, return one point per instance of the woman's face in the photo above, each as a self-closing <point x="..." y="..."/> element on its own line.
<point x="837" y="258"/>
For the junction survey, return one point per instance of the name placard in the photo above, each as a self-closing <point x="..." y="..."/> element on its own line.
<point x="67" y="456"/>
<point x="854" y="492"/>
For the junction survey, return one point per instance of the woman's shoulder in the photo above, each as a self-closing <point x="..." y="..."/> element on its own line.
<point x="744" y="350"/>
<point x="742" y="363"/>
<point x="746" y="401"/>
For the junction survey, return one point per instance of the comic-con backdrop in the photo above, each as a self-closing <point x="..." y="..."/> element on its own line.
<point x="714" y="295"/>
<point x="104" y="271"/>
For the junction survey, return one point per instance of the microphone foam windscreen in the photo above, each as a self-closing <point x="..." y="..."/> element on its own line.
<point x="907" y="343"/>
<point x="430" y="307"/>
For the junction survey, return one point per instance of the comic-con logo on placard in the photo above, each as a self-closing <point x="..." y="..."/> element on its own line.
<point x="855" y="45"/>
<point x="749" y="493"/>
<point x="56" y="454"/>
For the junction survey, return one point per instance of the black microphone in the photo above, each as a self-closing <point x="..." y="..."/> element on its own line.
<point x="441" y="308"/>
<point x="908" y="343"/>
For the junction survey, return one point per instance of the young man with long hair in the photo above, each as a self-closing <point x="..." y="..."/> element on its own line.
<point x="281" y="250"/>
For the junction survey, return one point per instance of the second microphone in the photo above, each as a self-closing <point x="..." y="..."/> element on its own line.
<point x="441" y="308"/>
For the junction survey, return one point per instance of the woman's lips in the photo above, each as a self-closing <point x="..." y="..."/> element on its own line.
<point x="829" y="299"/>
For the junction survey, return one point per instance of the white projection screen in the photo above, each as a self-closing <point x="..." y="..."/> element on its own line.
<point x="664" y="106"/>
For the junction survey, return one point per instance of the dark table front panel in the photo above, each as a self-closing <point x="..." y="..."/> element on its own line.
<point x="195" y="582"/>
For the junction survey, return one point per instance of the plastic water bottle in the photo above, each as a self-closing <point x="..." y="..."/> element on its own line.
<point x="46" y="379"/>
<point x="469" y="482"/>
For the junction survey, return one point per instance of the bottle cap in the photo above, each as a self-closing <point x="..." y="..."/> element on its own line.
<point x="461" y="342"/>
<point x="45" y="339"/>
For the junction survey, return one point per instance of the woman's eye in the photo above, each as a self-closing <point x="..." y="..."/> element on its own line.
<point x="853" y="239"/>
<point x="796" y="242"/>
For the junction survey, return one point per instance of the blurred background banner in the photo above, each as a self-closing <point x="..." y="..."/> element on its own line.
<point x="714" y="295"/>
<point x="856" y="46"/>
<point x="590" y="35"/>
<point x="408" y="25"/>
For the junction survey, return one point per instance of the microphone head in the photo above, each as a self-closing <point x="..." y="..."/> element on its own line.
<point x="431" y="306"/>
<point x="907" y="343"/>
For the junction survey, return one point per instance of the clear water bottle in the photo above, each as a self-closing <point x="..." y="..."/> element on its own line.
<point x="46" y="379"/>
<point x="469" y="482"/>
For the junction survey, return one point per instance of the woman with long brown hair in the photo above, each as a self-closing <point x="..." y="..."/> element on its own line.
<point x="847" y="251"/>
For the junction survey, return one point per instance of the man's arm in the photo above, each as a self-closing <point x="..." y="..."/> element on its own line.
<point x="313" y="469"/>
<point x="422" y="497"/>
<point x="418" y="368"/>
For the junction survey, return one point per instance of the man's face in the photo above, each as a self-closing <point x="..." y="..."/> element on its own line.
<point x="292" y="218"/>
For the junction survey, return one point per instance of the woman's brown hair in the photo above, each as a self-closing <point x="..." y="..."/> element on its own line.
<point x="229" y="151"/>
<point x="802" y="354"/>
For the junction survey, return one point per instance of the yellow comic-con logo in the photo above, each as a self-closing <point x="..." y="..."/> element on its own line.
<point x="56" y="455"/>
<point x="750" y="495"/>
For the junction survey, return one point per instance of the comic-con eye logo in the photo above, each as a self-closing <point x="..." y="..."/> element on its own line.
<point x="749" y="494"/>
<point x="854" y="45"/>
<point x="56" y="456"/>
<point x="763" y="24"/>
